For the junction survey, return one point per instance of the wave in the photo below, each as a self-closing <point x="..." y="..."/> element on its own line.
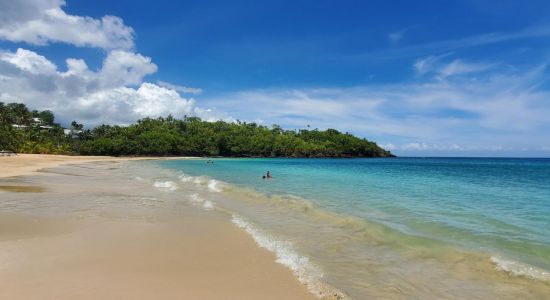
<point x="379" y="234"/>
<point x="519" y="269"/>
<point x="196" y="199"/>
<point x="165" y="185"/>
<point x="185" y="178"/>
<point x="214" y="186"/>
<point x="188" y="178"/>
<point x="306" y="272"/>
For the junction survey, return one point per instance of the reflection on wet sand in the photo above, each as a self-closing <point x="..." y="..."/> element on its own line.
<point x="22" y="188"/>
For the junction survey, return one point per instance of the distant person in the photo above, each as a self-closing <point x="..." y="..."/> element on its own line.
<point x="268" y="175"/>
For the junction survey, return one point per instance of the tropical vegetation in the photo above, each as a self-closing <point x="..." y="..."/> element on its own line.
<point x="26" y="131"/>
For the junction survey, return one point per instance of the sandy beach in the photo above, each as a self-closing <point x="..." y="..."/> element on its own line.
<point x="60" y="239"/>
<point x="28" y="164"/>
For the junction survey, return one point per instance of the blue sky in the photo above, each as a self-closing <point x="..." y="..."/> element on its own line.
<point x="428" y="78"/>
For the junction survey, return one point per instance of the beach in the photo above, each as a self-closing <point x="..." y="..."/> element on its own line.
<point x="172" y="228"/>
<point x="30" y="164"/>
<point x="89" y="228"/>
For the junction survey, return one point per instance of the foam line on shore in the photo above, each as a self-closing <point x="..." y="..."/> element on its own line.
<point x="519" y="269"/>
<point x="306" y="272"/>
<point x="166" y="185"/>
<point x="372" y="232"/>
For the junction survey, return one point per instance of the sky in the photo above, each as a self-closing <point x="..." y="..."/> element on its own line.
<point x="420" y="78"/>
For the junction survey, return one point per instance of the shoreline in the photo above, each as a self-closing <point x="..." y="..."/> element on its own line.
<point x="30" y="164"/>
<point x="136" y="250"/>
<point x="275" y="216"/>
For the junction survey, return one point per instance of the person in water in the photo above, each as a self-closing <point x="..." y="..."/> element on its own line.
<point x="267" y="175"/>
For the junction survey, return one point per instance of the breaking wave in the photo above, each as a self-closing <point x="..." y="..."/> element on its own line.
<point x="306" y="272"/>
<point x="519" y="269"/>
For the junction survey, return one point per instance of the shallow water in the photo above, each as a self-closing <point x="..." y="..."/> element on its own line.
<point x="450" y="228"/>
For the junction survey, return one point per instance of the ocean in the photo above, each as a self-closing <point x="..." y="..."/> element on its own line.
<point x="450" y="228"/>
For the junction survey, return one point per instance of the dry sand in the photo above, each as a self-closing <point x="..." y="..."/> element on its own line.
<point x="192" y="256"/>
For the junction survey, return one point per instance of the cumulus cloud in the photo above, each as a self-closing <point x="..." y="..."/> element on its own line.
<point x="40" y="22"/>
<point x="125" y="68"/>
<point x="29" y="61"/>
<point x="116" y="93"/>
<point x="128" y="104"/>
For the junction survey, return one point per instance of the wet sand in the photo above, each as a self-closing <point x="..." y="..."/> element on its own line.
<point x="29" y="164"/>
<point x="195" y="258"/>
<point x="166" y="254"/>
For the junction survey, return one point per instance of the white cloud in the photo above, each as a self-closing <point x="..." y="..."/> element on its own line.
<point x="458" y="67"/>
<point x="125" y="68"/>
<point x="212" y="115"/>
<point x="181" y="89"/>
<point x="24" y="10"/>
<point x="434" y="65"/>
<point x="460" y="113"/>
<point x="396" y="36"/>
<point x="419" y="147"/>
<point x="415" y="146"/>
<point x="424" y="65"/>
<point x="93" y="97"/>
<point x="40" y="22"/>
<point x="125" y="105"/>
<point x="389" y="146"/>
<point x="29" y="61"/>
<point x="116" y="93"/>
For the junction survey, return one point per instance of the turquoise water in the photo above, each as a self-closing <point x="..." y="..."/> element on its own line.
<point x="495" y="210"/>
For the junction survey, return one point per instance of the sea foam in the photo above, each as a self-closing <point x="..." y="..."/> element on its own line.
<point x="214" y="186"/>
<point x="208" y="205"/>
<point x="520" y="269"/>
<point x="196" y="199"/>
<point x="165" y="185"/>
<point x="306" y="272"/>
<point x="185" y="178"/>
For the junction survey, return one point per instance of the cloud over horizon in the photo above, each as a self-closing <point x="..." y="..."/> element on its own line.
<point x="496" y="112"/>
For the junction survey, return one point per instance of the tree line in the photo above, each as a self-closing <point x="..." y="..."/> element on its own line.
<point x="168" y="136"/>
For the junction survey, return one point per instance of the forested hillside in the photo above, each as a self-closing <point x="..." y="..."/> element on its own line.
<point x="170" y="136"/>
